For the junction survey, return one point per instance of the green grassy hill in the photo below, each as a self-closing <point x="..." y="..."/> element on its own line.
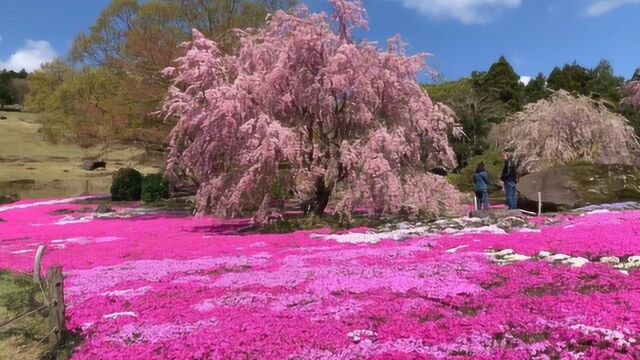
<point x="33" y="167"/>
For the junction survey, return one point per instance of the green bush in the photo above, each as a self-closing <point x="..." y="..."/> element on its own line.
<point x="126" y="185"/>
<point x="493" y="164"/>
<point x="154" y="188"/>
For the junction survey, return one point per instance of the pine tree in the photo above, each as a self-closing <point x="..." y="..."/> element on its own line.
<point x="536" y="89"/>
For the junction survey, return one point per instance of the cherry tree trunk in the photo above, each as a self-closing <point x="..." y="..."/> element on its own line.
<point x="322" y="195"/>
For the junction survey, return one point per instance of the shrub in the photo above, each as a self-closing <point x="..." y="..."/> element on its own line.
<point x="126" y="185"/>
<point x="154" y="187"/>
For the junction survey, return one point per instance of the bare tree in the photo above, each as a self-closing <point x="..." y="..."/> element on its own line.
<point x="18" y="89"/>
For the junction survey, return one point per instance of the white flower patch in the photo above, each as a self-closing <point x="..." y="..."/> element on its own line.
<point x="366" y="336"/>
<point x="599" y="211"/>
<point x="21" y="251"/>
<point x="119" y="314"/>
<point x="374" y="238"/>
<point x="73" y="220"/>
<point x="128" y="293"/>
<point x="610" y="335"/>
<point x="452" y="250"/>
<point x="407" y="233"/>
<point x="84" y="240"/>
<point x="576" y="261"/>
<point x="527" y="230"/>
<point x="43" y="203"/>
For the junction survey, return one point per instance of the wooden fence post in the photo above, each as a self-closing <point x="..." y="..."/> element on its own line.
<point x="36" y="263"/>
<point x="56" y="308"/>
<point x="539" y="203"/>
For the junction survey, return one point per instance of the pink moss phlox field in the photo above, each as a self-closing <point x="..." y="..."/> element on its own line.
<point x="167" y="286"/>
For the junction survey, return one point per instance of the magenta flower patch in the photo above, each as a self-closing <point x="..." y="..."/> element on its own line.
<point x="161" y="286"/>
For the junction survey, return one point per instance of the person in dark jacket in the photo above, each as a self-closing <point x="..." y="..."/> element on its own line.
<point x="509" y="178"/>
<point x="481" y="186"/>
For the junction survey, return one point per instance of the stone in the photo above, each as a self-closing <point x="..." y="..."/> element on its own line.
<point x="62" y="212"/>
<point x="503" y="252"/>
<point x="91" y="165"/>
<point x="103" y="209"/>
<point x="6" y="199"/>
<point x="575" y="186"/>
<point x="516" y="257"/>
<point x="576" y="261"/>
<point x="612" y="260"/>
<point x="558" y="257"/>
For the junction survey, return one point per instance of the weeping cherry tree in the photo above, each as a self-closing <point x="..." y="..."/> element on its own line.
<point x="300" y="105"/>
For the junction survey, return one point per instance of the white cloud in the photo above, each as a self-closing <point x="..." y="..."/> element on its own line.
<point x="465" y="11"/>
<point x="30" y="56"/>
<point x="600" y="7"/>
<point x="525" y="79"/>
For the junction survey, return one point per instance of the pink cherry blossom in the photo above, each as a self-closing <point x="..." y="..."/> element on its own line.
<point x="302" y="105"/>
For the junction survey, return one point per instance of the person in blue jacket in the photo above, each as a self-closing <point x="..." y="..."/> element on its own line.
<point x="481" y="186"/>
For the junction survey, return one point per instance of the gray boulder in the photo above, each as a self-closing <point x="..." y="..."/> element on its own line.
<point x="91" y="165"/>
<point x="575" y="186"/>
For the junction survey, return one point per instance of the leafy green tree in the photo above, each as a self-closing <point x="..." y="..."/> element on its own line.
<point x="44" y="82"/>
<point x="135" y="40"/>
<point x="536" y="89"/>
<point x="475" y="110"/>
<point x="636" y="75"/>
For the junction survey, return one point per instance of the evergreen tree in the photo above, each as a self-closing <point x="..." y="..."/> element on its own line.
<point x="536" y="89"/>
<point x="572" y="78"/>
<point x="603" y="83"/>
<point x="503" y="83"/>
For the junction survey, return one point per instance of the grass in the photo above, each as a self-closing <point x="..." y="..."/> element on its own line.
<point x="32" y="167"/>
<point x="463" y="180"/>
<point x="18" y="295"/>
<point x="22" y="340"/>
<point x="605" y="183"/>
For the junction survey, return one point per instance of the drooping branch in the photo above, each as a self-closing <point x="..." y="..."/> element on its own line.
<point x="565" y="129"/>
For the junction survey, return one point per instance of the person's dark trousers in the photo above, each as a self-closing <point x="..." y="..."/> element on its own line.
<point x="483" y="200"/>
<point x="510" y="191"/>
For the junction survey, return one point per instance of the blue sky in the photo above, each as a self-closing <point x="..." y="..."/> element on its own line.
<point x="463" y="35"/>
